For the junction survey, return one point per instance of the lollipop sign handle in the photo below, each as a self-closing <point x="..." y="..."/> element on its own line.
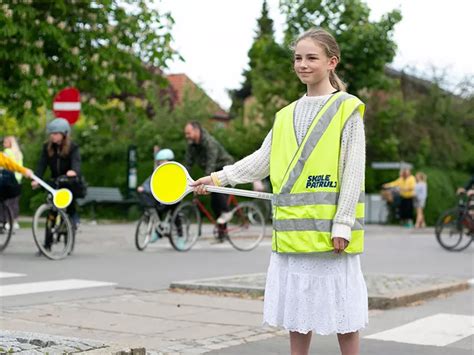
<point x="240" y="192"/>
<point x="61" y="198"/>
<point x="42" y="183"/>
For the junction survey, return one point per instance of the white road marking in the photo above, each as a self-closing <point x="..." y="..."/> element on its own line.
<point x="5" y="275"/>
<point x="438" y="330"/>
<point x="49" y="286"/>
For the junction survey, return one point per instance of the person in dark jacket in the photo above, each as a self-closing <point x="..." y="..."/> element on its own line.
<point x="62" y="157"/>
<point x="205" y="151"/>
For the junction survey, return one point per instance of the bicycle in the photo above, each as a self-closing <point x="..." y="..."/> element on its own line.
<point x="150" y="226"/>
<point x="6" y="225"/>
<point x="53" y="231"/>
<point x="455" y="224"/>
<point x="245" y="229"/>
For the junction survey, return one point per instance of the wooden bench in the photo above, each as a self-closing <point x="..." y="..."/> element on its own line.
<point x="104" y="195"/>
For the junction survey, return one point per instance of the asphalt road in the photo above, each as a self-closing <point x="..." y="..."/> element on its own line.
<point x="106" y="262"/>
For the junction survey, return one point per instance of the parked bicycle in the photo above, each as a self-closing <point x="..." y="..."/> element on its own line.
<point x="53" y="230"/>
<point x="6" y="225"/>
<point x="151" y="227"/>
<point x="244" y="230"/>
<point x="455" y="227"/>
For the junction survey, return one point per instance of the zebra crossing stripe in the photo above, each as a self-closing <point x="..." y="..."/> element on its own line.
<point x="6" y="275"/>
<point x="49" y="286"/>
<point x="437" y="330"/>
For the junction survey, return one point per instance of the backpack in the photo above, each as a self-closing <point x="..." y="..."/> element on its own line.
<point x="9" y="186"/>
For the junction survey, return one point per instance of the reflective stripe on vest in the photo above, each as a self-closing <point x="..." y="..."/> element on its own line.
<point x="306" y="182"/>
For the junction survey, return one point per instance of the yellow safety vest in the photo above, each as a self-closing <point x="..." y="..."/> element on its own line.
<point x="306" y="181"/>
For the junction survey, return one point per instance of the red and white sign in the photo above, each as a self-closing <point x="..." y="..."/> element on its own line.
<point x="67" y="104"/>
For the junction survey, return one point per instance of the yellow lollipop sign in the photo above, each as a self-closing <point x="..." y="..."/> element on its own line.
<point x="170" y="183"/>
<point x="62" y="198"/>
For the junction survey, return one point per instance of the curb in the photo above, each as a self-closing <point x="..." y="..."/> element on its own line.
<point x="402" y="299"/>
<point x="376" y="300"/>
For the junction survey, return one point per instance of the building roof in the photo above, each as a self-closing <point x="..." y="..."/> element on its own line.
<point x="181" y="82"/>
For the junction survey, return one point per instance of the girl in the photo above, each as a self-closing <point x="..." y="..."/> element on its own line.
<point x="315" y="156"/>
<point x="421" y="193"/>
<point x="12" y="150"/>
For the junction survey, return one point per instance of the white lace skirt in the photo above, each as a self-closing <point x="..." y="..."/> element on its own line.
<point x="324" y="293"/>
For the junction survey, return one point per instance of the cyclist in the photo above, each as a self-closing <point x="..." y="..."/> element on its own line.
<point x="469" y="188"/>
<point x="204" y="150"/>
<point x="162" y="156"/>
<point x="62" y="156"/>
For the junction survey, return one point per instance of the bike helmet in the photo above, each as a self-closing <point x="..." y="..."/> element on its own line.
<point x="164" y="154"/>
<point x="58" y="125"/>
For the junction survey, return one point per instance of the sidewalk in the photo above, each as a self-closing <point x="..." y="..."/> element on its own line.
<point x="175" y="321"/>
<point x="162" y="322"/>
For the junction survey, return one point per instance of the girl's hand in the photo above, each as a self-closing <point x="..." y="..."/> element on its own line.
<point x="71" y="173"/>
<point x="339" y="244"/>
<point x="199" y="185"/>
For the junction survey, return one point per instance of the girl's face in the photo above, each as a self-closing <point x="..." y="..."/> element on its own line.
<point x="6" y="143"/>
<point x="311" y="64"/>
<point x="56" y="137"/>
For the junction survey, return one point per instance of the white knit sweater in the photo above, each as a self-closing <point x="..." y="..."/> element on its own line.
<point x="256" y="166"/>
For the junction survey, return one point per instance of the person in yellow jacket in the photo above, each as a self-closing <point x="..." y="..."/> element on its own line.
<point x="9" y="164"/>
<point x="315" y="157"/>
<point x="406" y="184"/>
<point x="13" y="151"/>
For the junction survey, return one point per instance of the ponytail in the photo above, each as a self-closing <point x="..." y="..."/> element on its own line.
<point x="336" y="82"/>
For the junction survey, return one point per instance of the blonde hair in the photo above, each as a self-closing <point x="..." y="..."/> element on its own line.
<point x="421" y="176"/>
<point x="15" y="148"/>
<point x="329" y="44"/>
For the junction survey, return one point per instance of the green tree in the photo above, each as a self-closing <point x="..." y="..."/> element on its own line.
<point x="261" y="76"/>
<point x="104" y="48"/>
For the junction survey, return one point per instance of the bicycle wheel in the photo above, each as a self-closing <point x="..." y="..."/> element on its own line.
<point x="143" y="231"/>
<point x="246" y="229"/>
<point x="467" y="236"/>
<point x="52" y="232"/>
<point x="6" y="225"/>
<point x="185" y="226"/>
<point x="449" y="229"/>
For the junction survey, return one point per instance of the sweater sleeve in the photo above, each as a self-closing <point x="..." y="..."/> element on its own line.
<point x="10" y="164"/>
<point x="394" y="183"/>
<point x="352" y="171"/>
<point x="253" y="167"/>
